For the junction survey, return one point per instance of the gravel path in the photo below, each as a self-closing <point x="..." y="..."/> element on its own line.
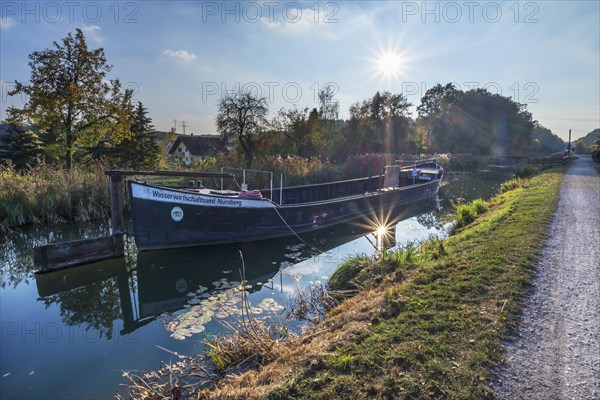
<point x="556" y="353"/>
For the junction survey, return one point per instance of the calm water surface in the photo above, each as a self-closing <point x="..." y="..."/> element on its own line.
<point x="69" y="334"/>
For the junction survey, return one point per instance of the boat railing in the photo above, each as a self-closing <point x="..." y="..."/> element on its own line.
<point x="419" y="163"/>
<point x="244" y="172"/>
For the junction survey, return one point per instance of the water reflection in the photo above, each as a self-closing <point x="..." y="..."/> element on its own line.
<point x="95" y="320"/>
<point x="16" y="248"/>
<point x="97" y="295"/>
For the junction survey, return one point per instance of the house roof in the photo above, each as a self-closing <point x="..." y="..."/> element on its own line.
<point x="200" y="145"/>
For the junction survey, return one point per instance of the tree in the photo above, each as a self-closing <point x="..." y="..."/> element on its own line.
<point x="303" y="132"/>
<point x="475" y="121"/>
<point x="140" y="151"/>
<point x="328" y="106"/>
<point x="70" y="98"/>
<point x="544" y="142"/>
<point x="329" y="109"/>
<point x="242" y="116"/>
<point x="379" y="124"/>
<point x="24" y="146"/>
<point x="596" y="151"/>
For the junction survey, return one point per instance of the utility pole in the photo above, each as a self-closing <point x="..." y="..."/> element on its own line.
<point x="183" y="125"/>
<point x="174" y="125"/>
<point x="569" y="146"/>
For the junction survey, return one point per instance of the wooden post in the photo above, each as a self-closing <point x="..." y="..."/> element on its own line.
<point x="116" y="204"/>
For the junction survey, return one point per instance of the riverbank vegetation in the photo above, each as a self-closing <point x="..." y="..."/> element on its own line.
<point x="46" y="195"/>
<point x="422" y="321"/>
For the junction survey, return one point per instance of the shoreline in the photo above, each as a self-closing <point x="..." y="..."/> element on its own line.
<point x="426" y="322"/>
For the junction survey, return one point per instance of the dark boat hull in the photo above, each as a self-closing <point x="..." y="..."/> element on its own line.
<point x="168" y="218"/>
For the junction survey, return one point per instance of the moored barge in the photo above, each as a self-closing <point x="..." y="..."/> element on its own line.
<point x="168" y="217"/>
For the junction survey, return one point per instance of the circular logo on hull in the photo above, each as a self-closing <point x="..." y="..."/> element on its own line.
<point x="177" y="214"/>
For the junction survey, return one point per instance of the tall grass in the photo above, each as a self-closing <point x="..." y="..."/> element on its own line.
<point x="46" y="195"/>
<point x="466" y="213"/>
<point x="511" y="184"/>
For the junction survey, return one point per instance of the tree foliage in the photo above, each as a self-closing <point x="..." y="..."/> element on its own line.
<point x="475" y="121"/>
<point x="70" y="99"/>
<point x="596" y="151"/>
<point x="378" y="125"/>
<point x="585" y="145"/>
<point x="302" y="132"/>
<point x="139" y="151"/>
<point x="544" y="142"/>
<point x="242" y="116"/>
<point x="24" y="146"/>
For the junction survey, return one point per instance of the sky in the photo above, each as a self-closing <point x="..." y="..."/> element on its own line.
<point x="179" y="57"/>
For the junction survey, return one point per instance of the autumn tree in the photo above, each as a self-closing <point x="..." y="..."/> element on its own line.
<point x="70" y="98"/>
<point x="302" y="131"/>
<point x="242" y="116"/>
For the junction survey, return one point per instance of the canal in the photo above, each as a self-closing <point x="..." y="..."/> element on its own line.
<point x="69" y="334"/>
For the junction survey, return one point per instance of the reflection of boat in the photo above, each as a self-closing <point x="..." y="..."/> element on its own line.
<point x="162" y="279"/>
<point x="167" y="217"/>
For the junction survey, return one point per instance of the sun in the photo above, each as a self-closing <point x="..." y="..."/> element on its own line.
<point x="389" y="64"/>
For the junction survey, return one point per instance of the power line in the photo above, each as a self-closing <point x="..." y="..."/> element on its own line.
<point x="183" y="125"/>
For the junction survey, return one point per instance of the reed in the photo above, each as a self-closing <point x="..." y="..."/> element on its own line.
<point x="254" y="342"/>
<point x="45" y="195"/>
<point x="312" y="304"/>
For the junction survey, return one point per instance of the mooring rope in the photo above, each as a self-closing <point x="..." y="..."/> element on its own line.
<point x="294" y="232"/>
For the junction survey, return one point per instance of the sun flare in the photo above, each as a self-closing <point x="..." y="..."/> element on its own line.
<point x="389" y="64"/>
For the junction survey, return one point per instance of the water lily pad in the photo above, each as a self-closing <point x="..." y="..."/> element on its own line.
<point x="197" y="329"/>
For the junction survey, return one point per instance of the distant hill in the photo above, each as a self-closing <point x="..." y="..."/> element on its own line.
<point x="586" y="142"/>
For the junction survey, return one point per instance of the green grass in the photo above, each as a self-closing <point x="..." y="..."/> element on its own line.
<point x="436" y="332"/>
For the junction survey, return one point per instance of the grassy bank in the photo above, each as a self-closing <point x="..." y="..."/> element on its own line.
<point x="424" y="323"/>
<point x="47" y="195"/>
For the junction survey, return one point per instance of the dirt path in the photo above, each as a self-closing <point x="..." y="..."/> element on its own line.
<point x="556" y="353"/>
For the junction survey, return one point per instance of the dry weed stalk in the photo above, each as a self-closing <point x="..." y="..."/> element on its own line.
<point x="178" y="380"/>
<point x="312" y="304"/>
<point x="253" y="342"/>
